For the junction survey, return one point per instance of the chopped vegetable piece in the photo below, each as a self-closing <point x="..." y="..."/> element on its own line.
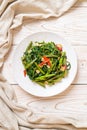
<point x="63" y="68"/>
<point x="37" y="71"/>
<point x="59" y="47"/>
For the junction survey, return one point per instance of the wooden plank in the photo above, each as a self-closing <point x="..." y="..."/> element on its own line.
<point x="72" y="26"/>
<point x="70" y="104"/>
<point x="74" y="92"/>
<point x="81" y="77"/>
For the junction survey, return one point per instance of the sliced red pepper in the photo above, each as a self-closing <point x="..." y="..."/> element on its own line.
<point x="42" y="63"/>
<point x="46" y="60"/>
<point x="49" y="63"/>
<point x="25" y="73"/>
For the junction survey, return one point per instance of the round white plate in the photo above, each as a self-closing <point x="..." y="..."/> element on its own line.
<point x="32" y="87"/>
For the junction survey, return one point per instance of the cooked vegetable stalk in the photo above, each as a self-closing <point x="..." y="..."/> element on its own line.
<point x="39" y="68"/>
<point x="45" y="63"/>
<point x="29" y="64"/>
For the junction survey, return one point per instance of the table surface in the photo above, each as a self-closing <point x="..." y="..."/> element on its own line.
<point x="73" y="26"/>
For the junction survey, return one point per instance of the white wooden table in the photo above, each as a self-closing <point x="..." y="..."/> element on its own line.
<point x="73" y="27"/>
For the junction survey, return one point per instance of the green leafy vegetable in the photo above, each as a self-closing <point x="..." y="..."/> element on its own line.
<point x="45" y="63"/>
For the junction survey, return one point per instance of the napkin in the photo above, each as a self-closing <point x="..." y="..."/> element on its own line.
<point x="15" y="116"/>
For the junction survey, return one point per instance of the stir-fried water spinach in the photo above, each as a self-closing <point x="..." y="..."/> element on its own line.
<point x="45" y="62"/>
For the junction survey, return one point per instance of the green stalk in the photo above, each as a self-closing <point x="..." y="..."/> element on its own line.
<point x="41" y="84"/>
<point x="56" y="77"/>
<point x="52" y="56"/>
<point x="29" y="47"/>
<point x="42" y="78"/>
<point x="28" y="65"/>
<point x="39" y="68"/>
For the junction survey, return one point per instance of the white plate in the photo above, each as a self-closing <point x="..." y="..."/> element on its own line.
<point x="34" y="88"/>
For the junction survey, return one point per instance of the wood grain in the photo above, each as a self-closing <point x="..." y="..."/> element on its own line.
<point x="73" y="92"/>
<point x="72" y="26"/>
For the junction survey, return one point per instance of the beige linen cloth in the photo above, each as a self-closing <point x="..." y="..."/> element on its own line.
<point x="13" y="116"/>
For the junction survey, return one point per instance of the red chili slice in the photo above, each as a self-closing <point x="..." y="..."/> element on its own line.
<point x="42" y="63"/>
<point x="46" y="60"/>
<point x="25" y="73"/>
